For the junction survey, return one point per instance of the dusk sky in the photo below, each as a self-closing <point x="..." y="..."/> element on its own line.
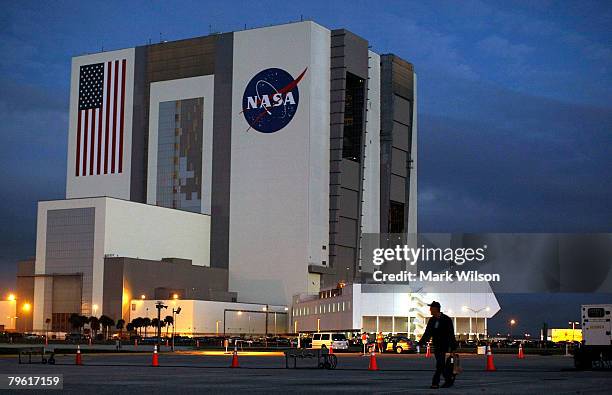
<point x="514" y="104"/>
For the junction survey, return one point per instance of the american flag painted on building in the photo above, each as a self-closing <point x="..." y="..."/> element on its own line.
<point x="101" y="113"/>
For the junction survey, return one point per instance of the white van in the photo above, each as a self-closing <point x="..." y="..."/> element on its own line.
<point x="337" y="340"/>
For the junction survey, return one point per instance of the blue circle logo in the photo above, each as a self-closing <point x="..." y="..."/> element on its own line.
<point x="271" y="100"/>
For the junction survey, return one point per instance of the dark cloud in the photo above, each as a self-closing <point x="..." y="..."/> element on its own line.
<point x="22" y="97"/>
<point x="497" y="160"/>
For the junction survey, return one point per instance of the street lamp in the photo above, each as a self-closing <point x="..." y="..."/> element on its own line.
<point x="26" y="307"/>
<point x="174" y="314"/>
<point x="143" y="297"/>
<point x="11" y="298"/>
<point x="573" y="324"/>
<point x="512" y="323"/>
<point x="159" y="305"/>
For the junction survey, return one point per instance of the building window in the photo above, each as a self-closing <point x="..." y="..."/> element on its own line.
<point x="179" y="154"/>
<point x="353" y="117"/>
<point x="396" y="217"/>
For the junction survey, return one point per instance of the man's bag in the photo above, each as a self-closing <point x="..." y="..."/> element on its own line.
<point x="453" y="364"/>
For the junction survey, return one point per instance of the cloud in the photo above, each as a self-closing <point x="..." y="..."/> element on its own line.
<point x="15" y="96"/>
<point x="515" y="163"/>
<point x="502" y="48"/>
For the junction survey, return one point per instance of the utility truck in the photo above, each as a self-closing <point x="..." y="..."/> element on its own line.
<point x="595" y="350"/>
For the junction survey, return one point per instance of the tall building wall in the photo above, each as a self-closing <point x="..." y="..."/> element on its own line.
<point x="398" y="145"/>
<point x="279" y="177"/>
<point x="348" y="98"/>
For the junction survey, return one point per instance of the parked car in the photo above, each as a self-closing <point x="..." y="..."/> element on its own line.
<point x="400" y="344"/>
<point x="304" y="341"/>
<point x="76" y="338"/>
<point x="336" y="340"/>
<point x="33" y="337"/>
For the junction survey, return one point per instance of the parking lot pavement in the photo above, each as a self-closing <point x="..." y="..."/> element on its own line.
<point x="191" y="372"/>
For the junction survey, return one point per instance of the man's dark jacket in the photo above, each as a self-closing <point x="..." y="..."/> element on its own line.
<point x="442" y="333"/>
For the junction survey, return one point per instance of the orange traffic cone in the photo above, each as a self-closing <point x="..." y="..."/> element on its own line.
<point x="79" y="360"/>
<point x="490" y="366"/>
<point x="235" y="360"/>
<point x="521" y="354"/>
<point x="373" y="365"/>
<point x="428" y="353"/>
<point x="166" y="342"/>
<point x="155" y="357"/>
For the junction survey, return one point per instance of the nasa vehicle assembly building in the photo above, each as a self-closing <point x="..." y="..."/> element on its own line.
<point x="232" y="173"/>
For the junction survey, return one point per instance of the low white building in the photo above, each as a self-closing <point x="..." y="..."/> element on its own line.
<point x="74" y="236"/>
<point x="353" y="308"/>
<point x="205" y="317"/>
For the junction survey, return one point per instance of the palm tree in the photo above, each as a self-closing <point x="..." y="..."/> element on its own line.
<point x="146" y="322"/>
<point x="154" y="323"/>
<point x="75" y="321"/>
<point x="137" y="324"/>
<point x="94" y="325"/>
<point x="106" y="323"/>
<point x="84" y="320"/>
<point x="120" y="325"/>
<point x="129" y="327"/>
<point x="168" y="321"/>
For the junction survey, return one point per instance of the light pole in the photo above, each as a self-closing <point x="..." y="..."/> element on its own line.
<point x="266" y="330"/>
<point x="174" y="314"/>
<point x="11" y="298"/>
<point x="159" y="305"/>
<point x="512" y="322"/>
<point x="146" y="316"/>
<point x="573" y="324"/>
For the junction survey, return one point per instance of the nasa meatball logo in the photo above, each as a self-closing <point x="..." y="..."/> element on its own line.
<point x="271" y="100"/>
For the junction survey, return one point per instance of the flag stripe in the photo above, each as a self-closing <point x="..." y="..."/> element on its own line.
<point x="78" y="144"/>
<point x="106" y="136"/>
<point x="92" y="140"/>
<point x="85" y="142"/>
<point x="121" y="117"/>
<point x="114" y="141"/>
<point x="99" y="139"/>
